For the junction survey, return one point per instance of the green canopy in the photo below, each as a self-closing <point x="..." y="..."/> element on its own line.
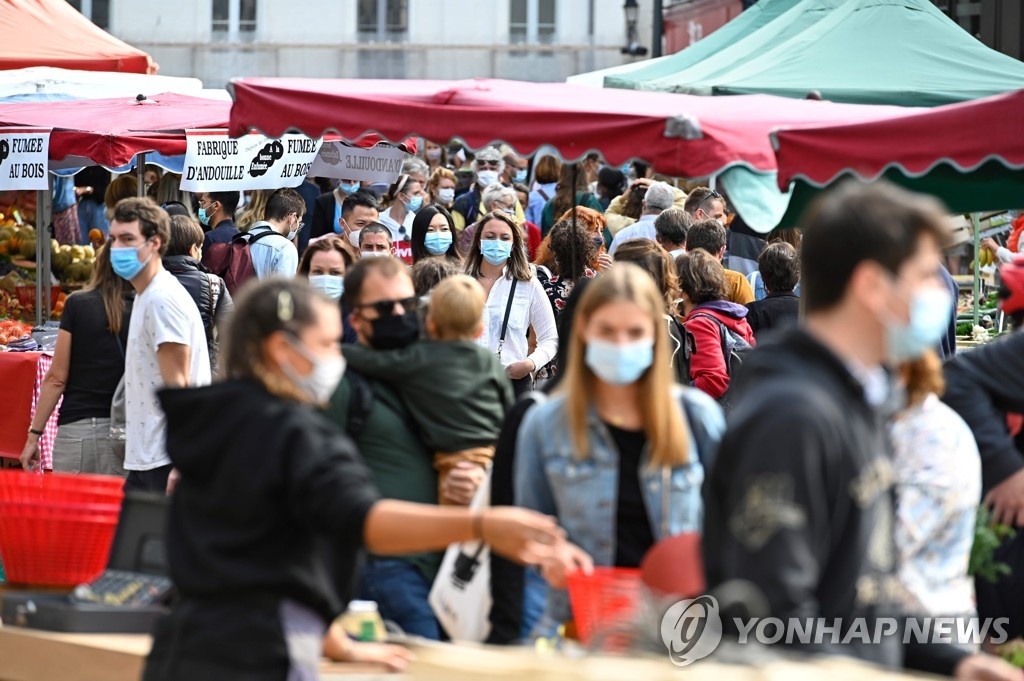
<point x="901" y="52"/>
<point x="758" y="16"/>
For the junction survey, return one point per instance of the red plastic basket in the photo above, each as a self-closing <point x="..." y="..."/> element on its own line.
<point x="603" y="601"/>
<point x="56" y="530"/>
<point x="57" y="488"/>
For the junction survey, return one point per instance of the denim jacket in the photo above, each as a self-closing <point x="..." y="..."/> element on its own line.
<point x="581" y="493"/>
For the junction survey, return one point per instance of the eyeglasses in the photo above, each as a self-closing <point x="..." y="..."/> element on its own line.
<point x="711" y="195"/>
<point x="489" y="164"/>
<point x="386" y="308"/>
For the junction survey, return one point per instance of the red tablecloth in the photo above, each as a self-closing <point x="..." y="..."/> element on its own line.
<point x="21" y="379"/>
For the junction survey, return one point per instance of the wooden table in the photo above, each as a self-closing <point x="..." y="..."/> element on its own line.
<point x="33" y="655"/>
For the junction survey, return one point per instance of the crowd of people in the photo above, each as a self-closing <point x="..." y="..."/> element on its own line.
<point x="316" y="372"/>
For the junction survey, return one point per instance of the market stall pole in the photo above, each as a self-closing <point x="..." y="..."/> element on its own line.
<point x="976" y="224"/>
<point x="44" y="215"/>
<point x="140" y="175"/>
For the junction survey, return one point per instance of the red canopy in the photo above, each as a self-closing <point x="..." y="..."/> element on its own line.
<point x="111" y="132"/>
<point x="678" y="134"/>
<point x="913" y="142"/>
<point x="53" y="33"/>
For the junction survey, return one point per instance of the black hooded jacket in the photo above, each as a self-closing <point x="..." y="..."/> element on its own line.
<point x="263" y="481"/>
<point x="800" y="500"/>
<point x="982" y="386"/>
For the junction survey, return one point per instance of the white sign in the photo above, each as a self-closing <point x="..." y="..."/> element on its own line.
<point x="376" y="164"/>
<point x="23" y="158"/>
<point x="215" y="162"/>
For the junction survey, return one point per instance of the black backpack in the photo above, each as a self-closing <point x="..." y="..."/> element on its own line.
<point x="734" y="348"/>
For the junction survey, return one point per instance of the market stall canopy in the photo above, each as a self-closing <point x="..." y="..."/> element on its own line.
<point x="110" y="132"/>
<point x="902" y="52"/>
<point x="596" y="78"/>
<point x="44" y="83"/>
<point x="53" y="33"/>
<point x="970" y="155"/>
<point x="653" y="71"/>
<point x="679" y="135"/>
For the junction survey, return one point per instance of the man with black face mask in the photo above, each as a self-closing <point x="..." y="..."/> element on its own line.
<point x="380" y="293"/>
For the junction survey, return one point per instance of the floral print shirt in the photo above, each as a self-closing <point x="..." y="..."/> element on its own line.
<point x="558" y="291"/>
<point x="938" y="486"/>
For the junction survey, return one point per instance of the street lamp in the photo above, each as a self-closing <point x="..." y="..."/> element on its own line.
<point x="632" y="48"/>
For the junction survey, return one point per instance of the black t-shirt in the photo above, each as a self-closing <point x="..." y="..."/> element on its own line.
<point x="97" y="361"/>
<point x="633" y="535"/>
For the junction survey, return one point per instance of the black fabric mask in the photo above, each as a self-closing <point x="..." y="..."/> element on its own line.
<point x="395" y="331"/>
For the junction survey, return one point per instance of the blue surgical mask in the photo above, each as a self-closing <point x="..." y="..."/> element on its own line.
<point x="930" y="312"/>
<point x="203" y="217"/>
<point x="437" y="243"/>
<point x="520" y="175"/>
<point x="125" y="261"/>
<point x="415" y="203"/>
<point x="496" y="252"/>
<point x="619" y="364"/>
<point x="348" y="188"/>
<point x="446" y="195"/>
<point x="331" y="285"/>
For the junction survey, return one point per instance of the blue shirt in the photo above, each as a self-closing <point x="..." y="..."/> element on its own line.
<point x="223" y="233"/>
<point x="641" y="229"/>
<point x="272" y="255"/>
<point x="537" y="201"/>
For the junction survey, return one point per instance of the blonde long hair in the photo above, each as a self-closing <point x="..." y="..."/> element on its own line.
<point x="256" y="211"/>
<point x="664" y="425"/>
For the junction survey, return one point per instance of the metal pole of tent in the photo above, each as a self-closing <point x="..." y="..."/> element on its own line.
<point x="976" y="223"/>
<point x="658" y="30"/>
<point x="140" y="175"/>
<point x="41" y="230"/>
<point x="44" y="268"/>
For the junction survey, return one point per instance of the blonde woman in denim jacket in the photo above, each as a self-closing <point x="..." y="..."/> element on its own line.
<point x="618" y="435"/>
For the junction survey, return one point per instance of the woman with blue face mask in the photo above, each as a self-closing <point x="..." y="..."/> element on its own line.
<point x="324" y="263"/>
<point x="618" y="452"/>
<point x="515" y="299"/>
<point x="433" y="235"/>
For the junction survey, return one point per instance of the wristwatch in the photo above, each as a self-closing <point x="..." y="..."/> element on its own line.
<point x="35" y="432"/>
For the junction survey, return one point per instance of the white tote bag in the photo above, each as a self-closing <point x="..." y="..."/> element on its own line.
<point x="461" y="594"/>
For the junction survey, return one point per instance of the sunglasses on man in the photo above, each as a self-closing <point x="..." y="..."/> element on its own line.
<point x="386" y="308"/>
<point x="711" y="195"/>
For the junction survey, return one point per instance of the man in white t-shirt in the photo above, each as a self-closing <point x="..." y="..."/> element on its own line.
<point x="166" y="340"/>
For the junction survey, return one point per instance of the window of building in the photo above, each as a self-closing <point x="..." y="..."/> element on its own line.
<point x="235" y="18"/>
<point x="97" y="11"/>
<point x="532" y="21"/>
<point x="383" y="18"/>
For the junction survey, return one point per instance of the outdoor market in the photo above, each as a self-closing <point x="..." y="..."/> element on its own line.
<point x="703" y="361"/>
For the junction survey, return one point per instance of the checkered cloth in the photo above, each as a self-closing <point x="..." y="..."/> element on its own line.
<point x="50" y="431"/>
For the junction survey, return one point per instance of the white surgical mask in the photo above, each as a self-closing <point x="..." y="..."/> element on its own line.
<point x="321" y="383"/>
<point x="485" y="178"/>
<point x="331" y="285"/>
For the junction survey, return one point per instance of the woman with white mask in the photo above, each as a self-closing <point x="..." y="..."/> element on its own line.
<point x="271" y="494"/>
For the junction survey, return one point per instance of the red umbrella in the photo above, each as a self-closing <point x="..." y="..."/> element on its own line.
<point x="914" y="142"/>
<point x="111" y="132"/>
<point x="53" y="33"/>
<point x="678" y="134"/>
